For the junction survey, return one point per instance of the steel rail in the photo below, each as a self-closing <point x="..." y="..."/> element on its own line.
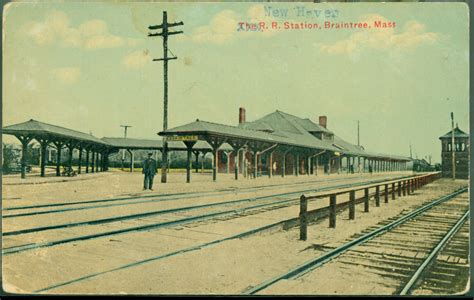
<point x="319" y="261"/>
<point x="31" y="246"/>
<point x="409" y="285"/>
<point x="162" y="256"/>
<point x="198" y="194"/>
<point x="156" y="198"/>
<point x="179" y="209"/>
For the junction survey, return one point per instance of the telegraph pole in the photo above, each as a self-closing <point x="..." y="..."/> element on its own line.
<point x="164" y="26"/>
<point x="125" y="135"/>
<point x="358" y="134"/>
<point x="453" y="149"/>
<point x="358" y="144"/>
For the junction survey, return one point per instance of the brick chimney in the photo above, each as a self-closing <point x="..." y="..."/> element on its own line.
<point x="323" y="121"/>
<point x="241" y="115"/>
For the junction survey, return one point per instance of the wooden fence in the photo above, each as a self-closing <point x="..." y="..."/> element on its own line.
<point x="391" y="189"/>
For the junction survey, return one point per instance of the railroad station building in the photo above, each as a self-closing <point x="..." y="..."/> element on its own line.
<point x="282" y="144"/>
<point x="461" y="153"/>
<point x="277" y="144"/>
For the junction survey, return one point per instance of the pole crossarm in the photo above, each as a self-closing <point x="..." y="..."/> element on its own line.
<point x="154" y="27"/>
<point x="162" y="59"/>
<point x="162" y="33"/>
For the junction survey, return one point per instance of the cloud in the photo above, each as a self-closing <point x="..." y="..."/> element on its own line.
<point x="90" y="35"/>
<point x="68" y="75"/>
<point x="136" y="59"/>
<point x="222" y="27"/>
<point x="411" y="36"/>
<point x="102" y="41"/>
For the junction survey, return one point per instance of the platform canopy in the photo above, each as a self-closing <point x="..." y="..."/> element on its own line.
<point x="143" y="144"/>
<point x="49" y="133"/>
<point x="44" y="132"/>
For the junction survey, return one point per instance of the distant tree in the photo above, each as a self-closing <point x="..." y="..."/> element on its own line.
<point x="11" y="157"/>
<point x="33" y="157"/>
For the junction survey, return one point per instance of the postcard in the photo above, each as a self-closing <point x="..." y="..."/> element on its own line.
<point x="253" y="148"/>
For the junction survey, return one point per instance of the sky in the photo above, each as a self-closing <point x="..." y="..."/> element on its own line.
<point x="88" y="67"/>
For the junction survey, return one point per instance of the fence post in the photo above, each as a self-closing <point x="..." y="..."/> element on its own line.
<point x="404" y="189"/>
<point x="352" y="205"/>
<point x="303" y="217"/>
<point x="386" y="193"/>
<point x="393" y="190"/>
<point x="366" y="200"/>
<point x="377" y="195"/>
<point x="332" y="211"/>
<point x="399" y="189"/>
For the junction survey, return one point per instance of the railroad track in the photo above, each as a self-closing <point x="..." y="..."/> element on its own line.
<point x="141" y="199"/>
<point x="164" y="255"/>
<point x="399" y="253"/>
<point x="232" y="209"/>
<point x="447" y="273"/>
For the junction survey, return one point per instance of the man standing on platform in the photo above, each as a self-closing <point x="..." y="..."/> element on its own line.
<point x="149" y="169"/>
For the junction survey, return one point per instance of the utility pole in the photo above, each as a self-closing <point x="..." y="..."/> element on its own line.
<point x="358" y="144"/>
<point x="358" y="133"/>
<point x="125" y="136"/>
<point x="453" y="149"/>
<point x="410" y="151"/>
<point x="164" y="26"/>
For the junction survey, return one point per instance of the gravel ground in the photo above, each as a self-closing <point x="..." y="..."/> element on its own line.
<point x="116" y="183"/>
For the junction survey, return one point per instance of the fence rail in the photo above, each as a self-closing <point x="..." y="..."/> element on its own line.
<point x="405" y="186"/>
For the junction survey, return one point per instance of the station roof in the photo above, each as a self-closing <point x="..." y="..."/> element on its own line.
<point x="285" y="138"/>
<point x="458" y="133"/>
<point x="129" y="143"/>
<point x="278" y="128"/>
<point x="279" y="121"/>
<point x="39" y="129"/>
